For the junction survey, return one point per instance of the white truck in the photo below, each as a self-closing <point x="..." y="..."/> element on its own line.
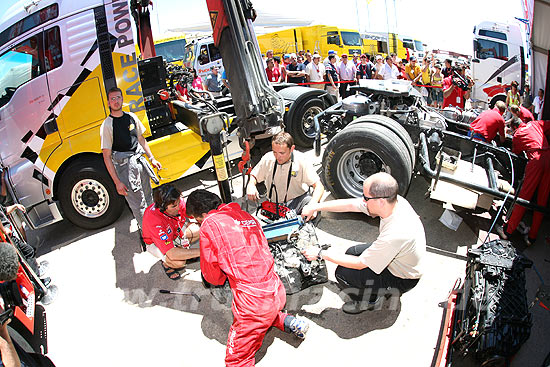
<point x="201" y="54"/>
<point x="499" y="59"/>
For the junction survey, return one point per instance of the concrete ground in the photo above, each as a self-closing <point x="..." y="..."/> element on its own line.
<point x="109" y="311"/>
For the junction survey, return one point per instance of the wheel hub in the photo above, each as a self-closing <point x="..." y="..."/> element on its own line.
<point x="90" y="198"/>
<point x="369" y="164"/>
<point x="355" y="166"/>
<point x="308" y="122"/>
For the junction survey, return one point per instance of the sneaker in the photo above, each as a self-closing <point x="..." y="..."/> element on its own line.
<point x="355" y="307"/>
<point x="298" y="327"/>
<point x="501" y="233"/>
<point x="43" y="268"/>
<point x="46" y="281"/>
<point x="523" y="228"/>
<point x="528" y="241"/>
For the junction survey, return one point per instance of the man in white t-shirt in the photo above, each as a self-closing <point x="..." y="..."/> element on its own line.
<point x="315" y="72"/>
<point x="389" y="70"/>
<point x="392" y="261"/>
<point x="538" y="102"/>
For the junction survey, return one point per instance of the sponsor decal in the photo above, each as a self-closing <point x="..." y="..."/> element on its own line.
<point x="248" y="223"/>
<point x="164" y="237"/>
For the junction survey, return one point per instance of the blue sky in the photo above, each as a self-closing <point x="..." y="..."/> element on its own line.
<point x="442" y="24"/>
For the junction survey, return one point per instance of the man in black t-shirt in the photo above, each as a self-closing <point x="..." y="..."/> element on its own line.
<point x="123" y="146"/>
<point x="296" y="72"/>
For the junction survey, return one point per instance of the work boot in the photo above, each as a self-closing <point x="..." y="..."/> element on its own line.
<point x="528" y="241"/>
<point x="355" y="307"/>
<point x="298" y="327"/>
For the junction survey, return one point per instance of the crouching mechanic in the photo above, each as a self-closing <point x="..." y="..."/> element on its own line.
<point x="167" y="232"/>
<point x="392" y="261"/>
<point x="234" y="247"/>
<point x="489" y="123"/>
<point x="288" y="175"/>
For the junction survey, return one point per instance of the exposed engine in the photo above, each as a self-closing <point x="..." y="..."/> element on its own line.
<point x="392" y="98"/>
<point x="287" y="238"/>
<point x="494" y="320"/>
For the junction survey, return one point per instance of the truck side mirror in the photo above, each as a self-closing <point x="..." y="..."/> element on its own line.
<point x="476" y="61"/>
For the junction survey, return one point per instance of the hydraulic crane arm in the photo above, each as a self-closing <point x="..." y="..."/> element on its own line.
<point x="257" y="106"/>
<point x="142" y="19"/>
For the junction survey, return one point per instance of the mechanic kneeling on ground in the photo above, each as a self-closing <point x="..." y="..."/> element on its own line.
<point x="167" y="232"/>
<point x="392" y="262"/>
<point x="288" y="175"/>
<point x="234" y="247"/>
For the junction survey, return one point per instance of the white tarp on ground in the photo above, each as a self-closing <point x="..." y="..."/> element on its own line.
<point x="538" y="14"/>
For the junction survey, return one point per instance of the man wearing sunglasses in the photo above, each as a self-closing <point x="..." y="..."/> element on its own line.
<point x="367" y="272"/>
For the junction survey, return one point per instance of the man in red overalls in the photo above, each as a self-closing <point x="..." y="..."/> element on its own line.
<point x="522" y="113"/>
<point x="531" y="139"/>
<point x="234" y="247"/>
<point x="490" y="123"/>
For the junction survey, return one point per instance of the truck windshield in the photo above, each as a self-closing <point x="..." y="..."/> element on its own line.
<point x="351" y="38"/>
<point x="418" y="45"/>
<point x="171" y="50"/>
<point x="485" y="49"/>
<point x="408" y="44"/>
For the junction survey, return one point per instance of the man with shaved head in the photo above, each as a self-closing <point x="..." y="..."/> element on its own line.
<point x="392" y="262"/>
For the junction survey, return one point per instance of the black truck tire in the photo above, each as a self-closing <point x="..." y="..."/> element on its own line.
<point x="302" y="127"/>
<point x="395" y="127"/>
<point x="360" y="150"/>
<point x="88" y="196"/>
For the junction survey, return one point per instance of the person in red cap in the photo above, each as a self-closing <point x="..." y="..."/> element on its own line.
<point x="486" y="126"/>
<point x="233" y="247"/>
<point x="166" y="231"/>
<point x="531" y="138"/>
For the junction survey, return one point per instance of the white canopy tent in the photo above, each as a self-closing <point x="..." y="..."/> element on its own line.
<point x="538" y="14"/>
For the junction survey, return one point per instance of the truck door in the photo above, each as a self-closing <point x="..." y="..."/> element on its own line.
<point x="25" y="115"/>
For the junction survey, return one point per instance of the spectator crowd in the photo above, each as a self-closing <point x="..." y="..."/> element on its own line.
<point x="336" y="73"/>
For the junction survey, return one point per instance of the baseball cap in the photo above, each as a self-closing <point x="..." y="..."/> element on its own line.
<point x="316" y="56"/>
<point x="344" y="55"/>
<point x="413" y="58"/>
<point x="286" y="56"/>
<point x="378" y="57"/>
<point x="331" y="52"/>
